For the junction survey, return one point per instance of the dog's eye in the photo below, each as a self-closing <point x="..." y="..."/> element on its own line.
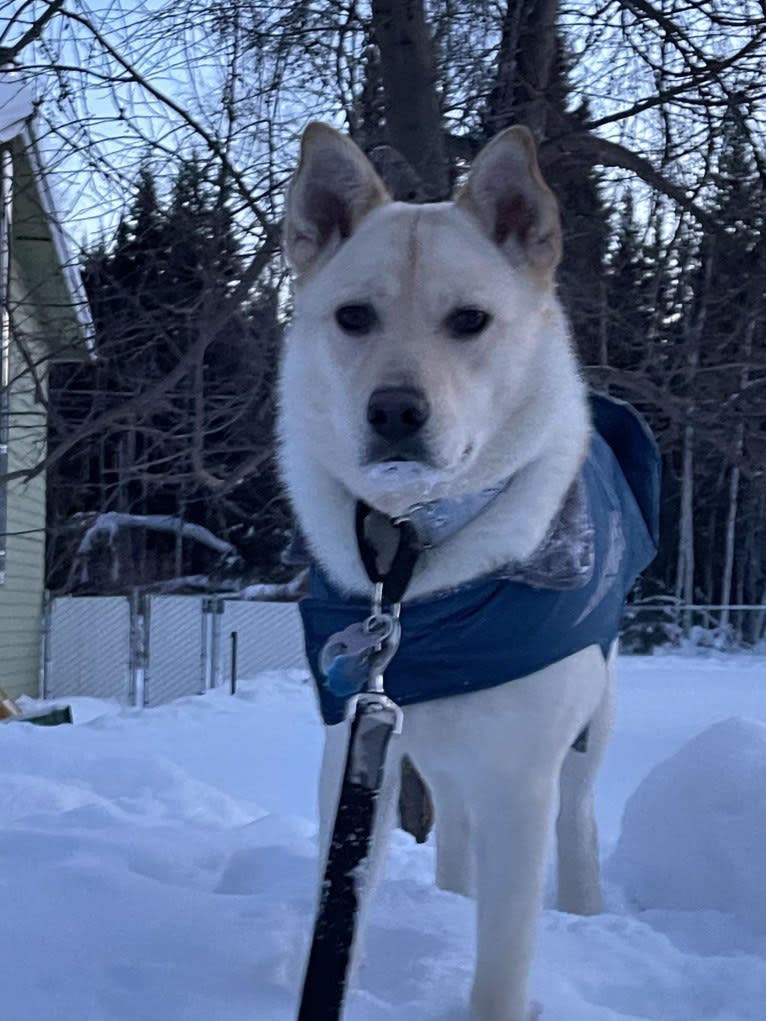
<point x="467" y="322"/>
<point x="356" y="319"/>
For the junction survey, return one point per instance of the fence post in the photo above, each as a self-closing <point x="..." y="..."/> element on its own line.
<point x="45" y="645"/>
<point x="212" y="646"/>
<point x="216" y="646"/>
<point x="132" y="650"/>
<point x="146" y="634"/>
<point x="204" y="654"/>
<point x="140" y="623"/>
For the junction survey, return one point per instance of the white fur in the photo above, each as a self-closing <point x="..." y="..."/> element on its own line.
<point x="507" y="404"/>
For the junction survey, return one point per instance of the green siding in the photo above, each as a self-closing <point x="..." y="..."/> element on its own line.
<point x="21" y="595"/>
<point x="45" y="320"/>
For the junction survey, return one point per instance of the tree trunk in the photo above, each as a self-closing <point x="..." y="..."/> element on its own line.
<point x="416" y="138"/>
<point x="522" y="89"/>
<point x="759" y="624"/>
<point x="413" y="117"/>
<point x="685" y="561"/>
<point x="731" y="517"/>
<point x="731" y="525"/>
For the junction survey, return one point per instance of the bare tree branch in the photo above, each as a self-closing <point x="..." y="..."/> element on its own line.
<point x="8" y="54"/>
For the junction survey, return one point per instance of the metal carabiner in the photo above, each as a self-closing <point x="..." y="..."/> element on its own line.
<point x="382" y="655"/>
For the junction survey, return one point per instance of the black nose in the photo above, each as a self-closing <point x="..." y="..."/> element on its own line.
<point x="397" y="412"/>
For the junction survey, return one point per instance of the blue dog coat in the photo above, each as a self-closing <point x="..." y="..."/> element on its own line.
<point x="497" y="629"/>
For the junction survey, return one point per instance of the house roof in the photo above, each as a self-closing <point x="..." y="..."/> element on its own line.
<point x="16" y="105"/>
<point x="39" y="240"/>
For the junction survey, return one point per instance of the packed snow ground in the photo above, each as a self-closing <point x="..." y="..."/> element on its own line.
<point x="160" y="865"/>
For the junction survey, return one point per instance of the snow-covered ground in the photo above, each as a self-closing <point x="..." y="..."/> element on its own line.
<point x="159" y="866"/>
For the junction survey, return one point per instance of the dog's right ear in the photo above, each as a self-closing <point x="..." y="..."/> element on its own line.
<point x="334" y="187"/>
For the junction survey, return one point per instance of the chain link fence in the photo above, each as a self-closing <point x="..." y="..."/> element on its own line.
<point x="145" y="650"/>
<point x="87" y="647"/>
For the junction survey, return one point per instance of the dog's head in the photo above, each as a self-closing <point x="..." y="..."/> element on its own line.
<point x="426" y="337"/>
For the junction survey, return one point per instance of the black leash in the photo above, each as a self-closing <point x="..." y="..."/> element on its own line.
<point x="396" y="576"/>
<point x="374" y="718"/>
<point x="324" y="986"/>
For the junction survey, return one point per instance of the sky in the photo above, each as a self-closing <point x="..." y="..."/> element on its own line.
<point x="100" y="119"/>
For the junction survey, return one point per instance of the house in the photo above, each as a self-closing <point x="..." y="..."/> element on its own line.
<point x="43" y="316"/>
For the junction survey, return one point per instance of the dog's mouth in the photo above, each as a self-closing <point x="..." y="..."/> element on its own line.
<point x="397" y="459"/>
<point x="412" y="459"/>
<point x="411" y="452"/>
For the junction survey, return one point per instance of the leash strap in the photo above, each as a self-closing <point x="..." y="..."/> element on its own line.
<point x="324" y="986"/>
<point x="396" y="579"/>
<point x="375" y="718"/>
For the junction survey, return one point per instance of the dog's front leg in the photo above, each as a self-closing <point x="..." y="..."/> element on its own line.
<point x="513" y="824"/>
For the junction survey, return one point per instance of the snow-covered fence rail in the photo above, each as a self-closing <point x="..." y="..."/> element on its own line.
<point x="145" y="650"/>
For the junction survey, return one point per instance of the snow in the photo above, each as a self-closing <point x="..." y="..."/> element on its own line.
<point x="706" y="807"/>
<point x="160" y="865"/>
<point x="108" y="524"/>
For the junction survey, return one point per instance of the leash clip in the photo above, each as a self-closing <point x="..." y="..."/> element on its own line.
<point x="369" y="703"/>
<point x="386" y="627"/>
<point x="386" y="649"/>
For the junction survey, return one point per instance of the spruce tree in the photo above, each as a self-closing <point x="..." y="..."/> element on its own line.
<point x="189" y="371"/>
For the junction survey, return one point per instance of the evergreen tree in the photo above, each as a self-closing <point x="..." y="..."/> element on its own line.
<point x="189" y="370"/>
<point x="584" y="214"/>
<point x="690" y="318"/>
<point x="732" y="371"/>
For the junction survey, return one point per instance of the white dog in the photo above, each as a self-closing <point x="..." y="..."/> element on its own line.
<point x="429" y="361"/>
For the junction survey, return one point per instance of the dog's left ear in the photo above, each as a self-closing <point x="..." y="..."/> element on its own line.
<point x="506" y="193"/>
<point x="334" y="187"/>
